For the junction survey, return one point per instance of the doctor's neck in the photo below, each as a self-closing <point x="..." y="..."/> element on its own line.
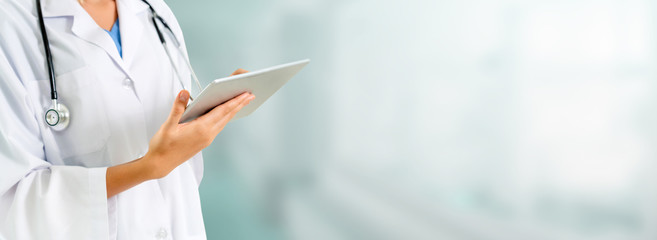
<point x="104" y="12"/>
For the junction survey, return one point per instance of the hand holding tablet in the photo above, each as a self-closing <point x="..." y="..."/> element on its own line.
<point x="262" y="83"/>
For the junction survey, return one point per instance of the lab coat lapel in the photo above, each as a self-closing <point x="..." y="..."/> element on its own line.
<point x="131" y="24"/>
<point x="83" y="26"/>
<point x="86" y="28"/>
<point x="54" y="8"/>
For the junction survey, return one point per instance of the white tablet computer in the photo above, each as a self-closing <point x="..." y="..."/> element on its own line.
<point x="262" y="83"/>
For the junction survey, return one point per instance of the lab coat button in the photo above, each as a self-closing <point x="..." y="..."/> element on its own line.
<point x="127" y="83"/>
<point x="162" y="234"/>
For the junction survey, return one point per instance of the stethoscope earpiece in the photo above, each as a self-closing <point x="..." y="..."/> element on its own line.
<point x="58" y="116"/>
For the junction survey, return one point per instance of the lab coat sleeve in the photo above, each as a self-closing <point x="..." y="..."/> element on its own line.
<point x="37" y="199"/>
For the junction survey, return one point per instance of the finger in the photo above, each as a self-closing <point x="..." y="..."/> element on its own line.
<point x="236" y="106"/>
<point x="227" y="117"/>
<point x="178" y="108"/>
<point x="235" y="110"/>
<point x="239" y="107"/>
<point x="219" y="111"/>
<point x="239" y="71"/>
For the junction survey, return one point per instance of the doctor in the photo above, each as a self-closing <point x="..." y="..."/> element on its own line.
<point x="122" y="167"/>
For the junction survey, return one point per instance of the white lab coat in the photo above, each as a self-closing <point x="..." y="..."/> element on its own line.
<point x="52" y="184"/>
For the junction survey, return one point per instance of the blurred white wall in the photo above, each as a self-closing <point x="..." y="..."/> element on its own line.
<point x="437" y="119"/>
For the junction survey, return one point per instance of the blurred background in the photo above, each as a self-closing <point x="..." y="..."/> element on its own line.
<point x="434" y="119"/>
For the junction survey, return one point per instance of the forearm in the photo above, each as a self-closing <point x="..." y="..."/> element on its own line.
<point x="125" y="176"/>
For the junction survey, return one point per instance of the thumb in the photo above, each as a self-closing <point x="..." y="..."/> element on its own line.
<point x="179" y="105"/>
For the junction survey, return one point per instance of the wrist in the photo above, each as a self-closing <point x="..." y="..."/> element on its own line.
<point x="149" y="168"/>
<point x="124" y="176"/>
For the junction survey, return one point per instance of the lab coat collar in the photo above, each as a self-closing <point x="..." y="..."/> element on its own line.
<point x="130" y="22"/>
<point x="87" y="29"/>
<point x="59" y="8"/>
<point x="136" y="6"/>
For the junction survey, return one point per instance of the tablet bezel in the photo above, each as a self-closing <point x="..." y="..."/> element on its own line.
<point x="263" y="83"/>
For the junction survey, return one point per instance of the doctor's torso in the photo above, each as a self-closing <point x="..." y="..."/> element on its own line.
<point x="116" y="104"/>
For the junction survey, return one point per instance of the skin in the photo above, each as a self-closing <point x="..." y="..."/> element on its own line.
<point x="104" y="12"/>
<point x="174" y="143"/>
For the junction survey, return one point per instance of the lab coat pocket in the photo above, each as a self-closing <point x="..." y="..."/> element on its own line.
<point x="83" y="142"/>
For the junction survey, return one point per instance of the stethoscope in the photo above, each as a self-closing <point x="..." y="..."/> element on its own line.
<point x="58" y="116"/>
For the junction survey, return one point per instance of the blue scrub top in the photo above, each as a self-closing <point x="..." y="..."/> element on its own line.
<point x="116" y="36"/>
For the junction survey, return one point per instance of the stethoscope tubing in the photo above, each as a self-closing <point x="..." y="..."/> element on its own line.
<point x="61" y="111"/>
<point x="46" y="45"/>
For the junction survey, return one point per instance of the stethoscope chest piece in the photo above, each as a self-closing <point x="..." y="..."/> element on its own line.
<point x="58" y="116"/>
